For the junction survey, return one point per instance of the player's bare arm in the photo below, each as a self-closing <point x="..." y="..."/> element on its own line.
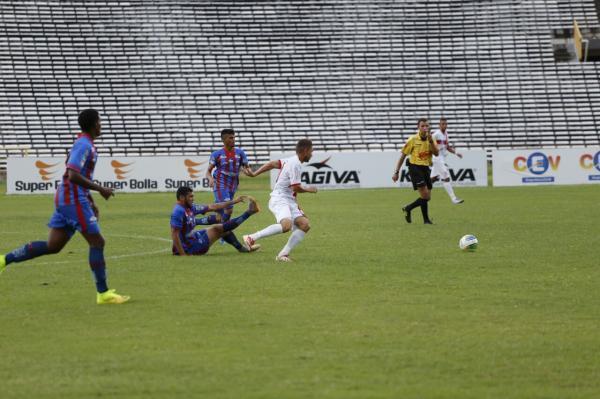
<point x="222" y="205"/>
<point x="248" y="171"/>
<point x="77" y="178"/>
<point x="209" y="176"/>
<point x="266" y="167"/>
<point x="398" y="166"/>
<point x="177" y="241"/>
<point x="300" y="189"/>
<point x="453" y="150"/>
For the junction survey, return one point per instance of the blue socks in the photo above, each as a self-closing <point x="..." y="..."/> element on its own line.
<point x="98" y="267"/>
<point x="27" y="251"/>
<point x="235" y="222"/>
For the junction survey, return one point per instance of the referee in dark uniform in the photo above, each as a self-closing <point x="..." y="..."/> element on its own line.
<point x="420" y="147"/>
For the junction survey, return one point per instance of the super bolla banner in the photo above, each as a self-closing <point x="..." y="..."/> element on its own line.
<point x="335" y="170"/>
<point x="546" y="166"/>
<point x="31" y="175"/>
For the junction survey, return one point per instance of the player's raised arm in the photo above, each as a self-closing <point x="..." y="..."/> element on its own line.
<point x="268" y="166"/>
<point x="77" y="178"/>
<point x="222" y="205"/>
<point x="177" y="241"/>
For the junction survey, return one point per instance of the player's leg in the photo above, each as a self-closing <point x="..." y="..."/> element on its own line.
<point x="57" y="239"/>
<point x="441" y="169"/>
<point x="230" y="238"/>
<point x="61" y="230"/>
<point x="301" y="227"/>
<point x="448" y="187"/>
<point x="419" y="178"/>
<point x="208" y="220"/>
<point x="281" y="210"/>
<point x="89" y="228"/>
<point x="218" y="231"/>
<point x="425" y="196"/>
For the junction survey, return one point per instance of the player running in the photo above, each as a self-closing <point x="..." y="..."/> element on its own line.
<point x="186" y="241"/>
<point x="283" y="202"/>
<point x="74" y="209"/>
<point x="440" y="171"/>
<point x="223" y="174"/>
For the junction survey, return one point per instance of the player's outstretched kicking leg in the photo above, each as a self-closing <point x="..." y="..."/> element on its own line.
<point x="205" y="238"/>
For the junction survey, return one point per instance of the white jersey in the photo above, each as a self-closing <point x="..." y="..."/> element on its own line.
<point x="289" y="176"/>
<point x="441" y="140"/>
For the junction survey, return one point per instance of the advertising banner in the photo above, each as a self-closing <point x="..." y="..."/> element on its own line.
<point x="546" y="166"/>
<point x="338" y="170"/>
<point x="30" y="175"/>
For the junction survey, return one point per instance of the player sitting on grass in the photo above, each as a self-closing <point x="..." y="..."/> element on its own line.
<point x="186" y="241"/>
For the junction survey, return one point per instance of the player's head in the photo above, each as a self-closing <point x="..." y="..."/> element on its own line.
<point x="228" y="138"/>
<point x="89" y="121"/>
<point x="423" y="126"/>
<point x="185" y="196"/>
<point x="304" y="150"/>
<point x="443" y="124"/>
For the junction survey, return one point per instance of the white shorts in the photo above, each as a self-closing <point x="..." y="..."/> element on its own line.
<point x="284" y="209"/>
<point x="440" y="169"/>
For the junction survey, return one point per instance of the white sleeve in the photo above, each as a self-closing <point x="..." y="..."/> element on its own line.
<point x="295" y="175"/>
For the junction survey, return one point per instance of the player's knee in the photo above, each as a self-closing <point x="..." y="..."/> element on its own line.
<point x="286" y="225"/>
<point x="303" y="225"/>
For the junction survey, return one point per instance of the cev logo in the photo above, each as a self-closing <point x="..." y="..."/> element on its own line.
<point x="44" y="170"/>
<point x="191" y="168"/>
<point x="537" y="163"/>
<point x="120" y="172"/>
<point x="589" y="161"/>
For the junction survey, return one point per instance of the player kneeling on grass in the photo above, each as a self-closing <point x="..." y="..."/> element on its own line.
<point x="186" y="241"/>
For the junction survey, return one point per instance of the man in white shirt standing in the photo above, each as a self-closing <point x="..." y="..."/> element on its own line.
<point x="283" y="203"/>
<point x="440" y="171"/>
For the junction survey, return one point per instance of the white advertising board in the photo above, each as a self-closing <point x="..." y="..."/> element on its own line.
<point x="336" y="170"/>
<point x="30" y="175"/>
<point x="546" y="166"/>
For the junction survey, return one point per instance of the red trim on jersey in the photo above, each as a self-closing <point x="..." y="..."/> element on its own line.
<point x="66" y="191"/>
<point x="280" y="170"/>
<point x="79" y="209"/>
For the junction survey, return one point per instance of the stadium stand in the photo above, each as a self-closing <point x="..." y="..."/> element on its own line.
<point x="351" y="74"/>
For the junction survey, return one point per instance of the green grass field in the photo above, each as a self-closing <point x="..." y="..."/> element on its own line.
<point x="372" y="307"/>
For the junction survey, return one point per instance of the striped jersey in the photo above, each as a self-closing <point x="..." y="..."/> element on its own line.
<point x="227" y="168"/>
<point x="82" y="158"/>
<point x="184" y="220"/>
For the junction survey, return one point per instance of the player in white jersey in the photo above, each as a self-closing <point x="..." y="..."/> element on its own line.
<point x="283" y="202"/>
<point x="439" y="170"/>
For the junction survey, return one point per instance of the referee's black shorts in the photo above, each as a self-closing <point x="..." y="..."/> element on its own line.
<point x="420" y="175"/>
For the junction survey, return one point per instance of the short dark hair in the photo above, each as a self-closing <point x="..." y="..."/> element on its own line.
<point x="87" y="119"/>
<point x="303" y="144"/>
<point x="443" y="119"/>
<point x="422" y="120"/>
<point x="183" y="191"/>
<point x="226" y="132"/>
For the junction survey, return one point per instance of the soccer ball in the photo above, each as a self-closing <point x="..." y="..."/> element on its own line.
<point x="468" y="243"/>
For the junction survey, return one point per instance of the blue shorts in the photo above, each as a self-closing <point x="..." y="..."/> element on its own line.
<point x="224" y="195"/>
<point x="75" y="217"/>
<point x="198" y="244"/>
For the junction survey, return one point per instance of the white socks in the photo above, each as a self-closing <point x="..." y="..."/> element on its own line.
<point x="295" y="238"/>
<point x="267" y="231"/>
<point x="449" y="190"/>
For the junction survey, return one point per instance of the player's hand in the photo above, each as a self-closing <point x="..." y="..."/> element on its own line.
<point x="95" y="210"/>
<point x="106" y="192"/>
<point x="459" y="155"/>
<point x="313" y="190"/>
<point x="211" y="182"/>
<point x="241" y="198"/>
<point x="395" y="177"/>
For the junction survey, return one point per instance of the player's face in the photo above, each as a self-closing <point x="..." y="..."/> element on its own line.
<point x="98" y="128"/>
<point x="443" y="125"/>
<point x="423" y="129"/>
<point x="229" y="140"/>
<point x="306" y="154"/>
<point x="189" y="200"/>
